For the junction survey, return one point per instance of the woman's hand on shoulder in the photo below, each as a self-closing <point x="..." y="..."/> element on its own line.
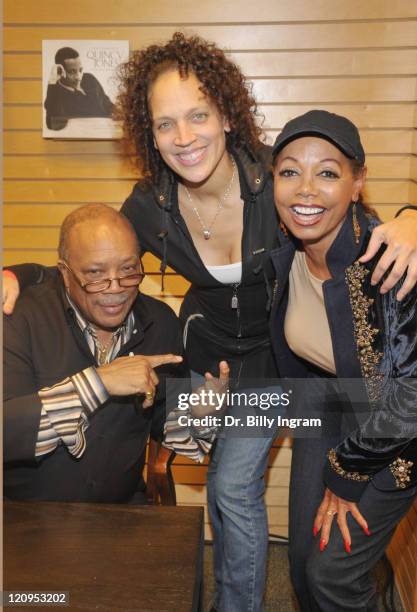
<point x="10" y="291"/>
<point x="400" y="236"/>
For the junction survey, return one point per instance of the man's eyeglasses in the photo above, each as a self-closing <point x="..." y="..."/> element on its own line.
<point x="105" y="283"/>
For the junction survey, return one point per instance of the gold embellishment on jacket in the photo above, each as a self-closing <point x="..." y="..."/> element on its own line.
<point x="401" y="470"/>
<point x="341" y="472"/>
<point x="364" y="332"/>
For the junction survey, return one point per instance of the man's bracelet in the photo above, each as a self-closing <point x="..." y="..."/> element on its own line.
<point x="10" y="274"/>
<point x="409" y="206"/>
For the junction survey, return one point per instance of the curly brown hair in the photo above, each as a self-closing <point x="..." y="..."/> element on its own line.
<point x="221" y="81"/>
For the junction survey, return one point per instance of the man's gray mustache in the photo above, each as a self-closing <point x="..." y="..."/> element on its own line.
<point x="113" y="301"/>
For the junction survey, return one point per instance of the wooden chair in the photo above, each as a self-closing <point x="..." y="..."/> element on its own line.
<point x="160" y="487"/>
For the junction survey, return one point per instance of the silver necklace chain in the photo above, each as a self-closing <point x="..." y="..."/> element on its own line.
<point x="222" y="201"/>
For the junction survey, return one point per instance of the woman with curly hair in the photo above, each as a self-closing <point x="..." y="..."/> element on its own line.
<point x="204" y="205"/>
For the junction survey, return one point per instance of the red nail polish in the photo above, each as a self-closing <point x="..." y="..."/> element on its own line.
<point x="322" y="545"/>
<point x="315" y="531"/>
<point x="347" y="546"/>
<point x="366" y="530"/>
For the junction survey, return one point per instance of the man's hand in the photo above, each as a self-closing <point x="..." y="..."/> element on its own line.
<point x="329" y="507"/>
<point x="400" y="235"/>
<point x="10" y="291"/>
<point x="57" y="73"/>
<point x="218" y="386"/>
<point x="135" y="374"/>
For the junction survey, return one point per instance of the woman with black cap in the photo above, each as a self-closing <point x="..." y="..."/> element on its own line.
<point x="205" y="207"/>
<point x="330" y="323"/>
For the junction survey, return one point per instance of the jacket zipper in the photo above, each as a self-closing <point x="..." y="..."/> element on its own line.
<point x="234" y="304"/>
<point x="235" y="299"/>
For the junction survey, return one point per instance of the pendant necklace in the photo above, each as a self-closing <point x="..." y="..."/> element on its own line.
<point x="222" y="201"/>
<point x="103" y="350"/>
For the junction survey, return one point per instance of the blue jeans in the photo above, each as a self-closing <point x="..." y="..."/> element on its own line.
<point x="235" y="489"/>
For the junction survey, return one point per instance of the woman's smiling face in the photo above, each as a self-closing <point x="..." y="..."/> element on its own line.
<point x="313" y="187"/>
<point x="188" y="130"/>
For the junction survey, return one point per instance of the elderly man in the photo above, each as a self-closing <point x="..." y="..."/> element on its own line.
<point x="81" y="392"/>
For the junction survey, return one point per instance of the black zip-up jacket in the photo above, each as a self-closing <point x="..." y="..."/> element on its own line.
<point x="44" y="345"/>
<point x="374" y="338"/>
<point x="240" y="335"/>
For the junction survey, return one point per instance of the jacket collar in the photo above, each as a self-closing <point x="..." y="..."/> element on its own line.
<point x="143" y="313"/>
<point x="344" y="250"/>
<point x="252" y="169"/>
<point x="163" y="191"/>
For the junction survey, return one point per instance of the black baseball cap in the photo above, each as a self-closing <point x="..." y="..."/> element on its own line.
<point x="339" y="130"/>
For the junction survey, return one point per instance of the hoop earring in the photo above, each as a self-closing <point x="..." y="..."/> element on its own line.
<point x="355" y="223"/>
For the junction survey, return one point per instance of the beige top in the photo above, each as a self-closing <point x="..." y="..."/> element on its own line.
<point x="306" y="325"/>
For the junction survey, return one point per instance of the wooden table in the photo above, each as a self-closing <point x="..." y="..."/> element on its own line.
<point x="109" y="557"/>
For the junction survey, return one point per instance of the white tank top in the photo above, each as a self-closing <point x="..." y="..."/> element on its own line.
<point x="228" y="274"/>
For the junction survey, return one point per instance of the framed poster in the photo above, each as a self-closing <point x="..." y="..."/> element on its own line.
<point x="80" y="87"/>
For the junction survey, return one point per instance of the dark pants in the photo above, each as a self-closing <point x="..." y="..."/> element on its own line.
<point x="333" y="580"/>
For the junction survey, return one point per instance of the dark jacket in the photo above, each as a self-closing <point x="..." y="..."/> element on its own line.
<point x="239" y="335"/>
<point x="374" y="338"/>
<point x="44" y="345"/>
<point x="62" y="104"/>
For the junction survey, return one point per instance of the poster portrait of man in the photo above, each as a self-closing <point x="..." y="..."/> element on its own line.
<point x="79" y="87"/>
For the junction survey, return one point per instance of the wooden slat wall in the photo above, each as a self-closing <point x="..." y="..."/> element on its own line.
<point x="352" y="57"/>
<point x="402" y="553"/>
<point x="403" y="549"/>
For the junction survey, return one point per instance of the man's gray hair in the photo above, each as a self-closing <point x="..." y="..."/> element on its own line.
<point x="89" y="212"/>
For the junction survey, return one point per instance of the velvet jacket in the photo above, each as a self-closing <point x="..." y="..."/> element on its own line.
<point x="374" y="339"/>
